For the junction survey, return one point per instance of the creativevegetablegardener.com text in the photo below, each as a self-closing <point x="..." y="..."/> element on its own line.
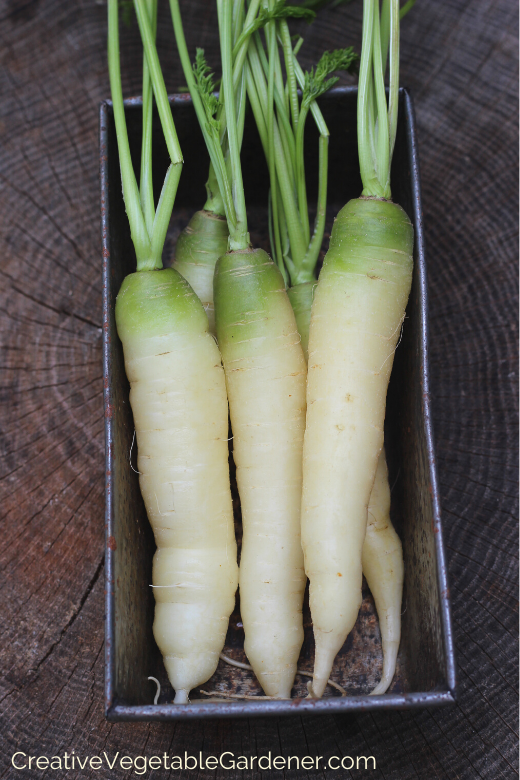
<point x="226" y="760"/>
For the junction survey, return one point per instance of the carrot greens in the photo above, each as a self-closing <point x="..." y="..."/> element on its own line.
<point x="148" y="238"/>
<point x="281" y="116"/>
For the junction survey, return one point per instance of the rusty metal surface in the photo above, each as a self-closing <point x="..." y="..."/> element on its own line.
<point x="425" y="675"/>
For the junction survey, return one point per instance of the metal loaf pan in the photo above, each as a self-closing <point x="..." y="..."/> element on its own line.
<point x="426" y="668"/>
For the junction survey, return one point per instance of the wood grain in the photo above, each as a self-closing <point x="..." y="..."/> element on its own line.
<point x="460" y="60"/>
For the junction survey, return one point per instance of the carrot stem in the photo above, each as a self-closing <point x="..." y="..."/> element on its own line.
<point x="146" y="178"/>
<point x="393" y="103"/>
<point x="159" y="87"/>
<point x="138" y="231"/>
<point x="291" y="75"/>
<point x="212" y="144"/>
<point x="238" y="235"/>
<point x="382" y="136"/>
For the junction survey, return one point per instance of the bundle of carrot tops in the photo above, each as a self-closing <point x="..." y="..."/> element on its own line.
<point x="300" y="364"/>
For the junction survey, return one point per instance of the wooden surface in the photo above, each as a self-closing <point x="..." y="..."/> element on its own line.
<point x="460" y="60"/>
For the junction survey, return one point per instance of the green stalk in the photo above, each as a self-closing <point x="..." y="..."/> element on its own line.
<point x="292" y="216"/>
<point x="148" y="234"/>
<point x="240" y="46"/>
<point x="297" y="46"/>
<point x="281" y="105"/>
<point x="385" y="32"/>
<point x="238" y="235"/>
<point x="212" y="144"/>
<point x="277" y="227"/>
<point x="286" y="243"/>
<point x="279" y="81"/>
<point x="377" y="121"/>
<point x="382" y="140"/>
<point x="239" y="58"/>
<point x="237" y="18"/>
<point x="371" y="186"/>
<point x="138" y="231"/>
<point x="406" y="7"/>
<point x="159" y="88"/>
<point x="307" y="271"/>
<point x="390" y="23"/>
<point x="393" y="102"/>
<point x="214" y="202"/>
<point x="164" y="210"/>
<point x="285" y="36"/>
<point x="169" y="190"/>
<point x="288" y="142"/>
<point x="239" y="77"/>
<point x="300" y="173"/>
<point x="271" y="37"/>
<point x="237" y="24"/>
<point x="372" y="119"/>
<point x="285" y="108"/>
<point x="256" y="107"/>
<point x="146" y="178"/>
<point x="315" y="109"/>
<point x="241" y="108"/>
<point x="284" y="173"/>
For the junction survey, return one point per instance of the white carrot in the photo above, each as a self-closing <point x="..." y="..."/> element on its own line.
<point x="382" y="555"/>
<point x="179" y="404"/>
<point x="383" y="568"/>
<point x="265" y="377"/>
<point x="358" y="310"/>
<point x="198" y="248"/>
